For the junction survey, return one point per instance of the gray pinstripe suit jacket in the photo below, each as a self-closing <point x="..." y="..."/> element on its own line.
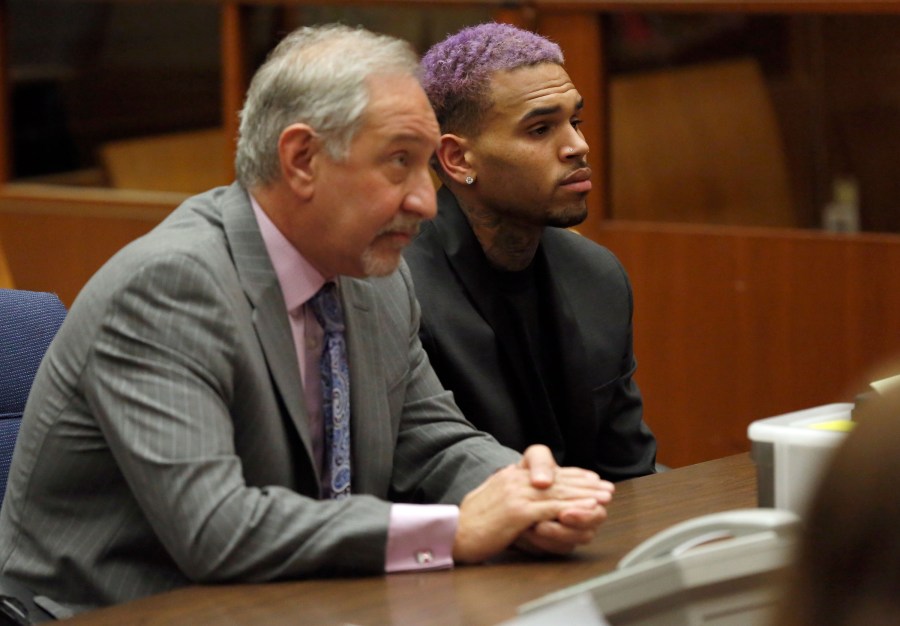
<point x="165" y="439"/>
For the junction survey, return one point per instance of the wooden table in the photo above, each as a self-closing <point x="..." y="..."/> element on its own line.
<point x="466" y="596"/>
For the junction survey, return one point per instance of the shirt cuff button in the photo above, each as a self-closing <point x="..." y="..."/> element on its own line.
<point x="424" y="557"/>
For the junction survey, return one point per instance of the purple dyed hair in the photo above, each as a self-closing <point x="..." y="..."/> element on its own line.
<point x="456" y="72"/>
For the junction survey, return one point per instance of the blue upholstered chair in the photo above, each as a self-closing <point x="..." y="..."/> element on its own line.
<point x="28" y="322"/>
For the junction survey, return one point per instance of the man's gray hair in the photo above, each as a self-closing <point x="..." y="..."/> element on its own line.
<point x="316" y="76"/>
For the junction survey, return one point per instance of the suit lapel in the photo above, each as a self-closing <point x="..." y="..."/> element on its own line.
<point x="371" y="435"/>
<point x="468" y="262"/>
<point x="270" y="318"/>
<point x="467" y="259"/>
<point x="571" y="326"/>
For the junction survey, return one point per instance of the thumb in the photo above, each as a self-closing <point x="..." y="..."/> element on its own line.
<point x="541" y="466"/>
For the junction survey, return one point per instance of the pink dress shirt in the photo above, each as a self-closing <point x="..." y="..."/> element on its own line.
<point x="419" y="536"/>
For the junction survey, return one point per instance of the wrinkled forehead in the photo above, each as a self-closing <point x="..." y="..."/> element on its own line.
<point x="398" y="107"/>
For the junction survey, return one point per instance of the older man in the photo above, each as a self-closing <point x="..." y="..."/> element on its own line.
<point x="241" y="395"/>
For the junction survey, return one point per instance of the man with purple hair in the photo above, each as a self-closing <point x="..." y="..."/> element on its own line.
<point x="529" y="324"/>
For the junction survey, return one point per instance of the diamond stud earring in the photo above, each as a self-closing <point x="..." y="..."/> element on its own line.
<point x="470" y="180"/>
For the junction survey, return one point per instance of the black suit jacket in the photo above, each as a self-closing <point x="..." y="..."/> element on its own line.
<point x="478" y="354"/>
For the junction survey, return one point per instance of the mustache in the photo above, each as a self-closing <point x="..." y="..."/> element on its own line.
<point x="406" y="224"/>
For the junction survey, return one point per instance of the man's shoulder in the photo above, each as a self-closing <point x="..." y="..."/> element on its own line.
<point x="564" y="245"/>
<point x="191" y="236"/>
<point x="193" y="225"/>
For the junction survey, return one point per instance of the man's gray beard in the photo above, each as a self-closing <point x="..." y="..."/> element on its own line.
<point x="373" y="265"/>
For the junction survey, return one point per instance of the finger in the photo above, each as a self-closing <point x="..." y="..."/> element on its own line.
<point x="578" y="476"/>
<point x="539" y="461"/>
<point x="532" y="543"/>
<point x="576" y="473"/>
<point x="583" y="518"/>
<point x="524" y="542"/>
<point x="552" y="538"/>
<point x="547" y="510"/>
<point x="563" y="490"/>
<point x="556" y="532"/>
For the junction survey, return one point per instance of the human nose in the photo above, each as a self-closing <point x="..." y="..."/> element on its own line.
<point x="575" y="148"/>
<point x="421" y="198"/>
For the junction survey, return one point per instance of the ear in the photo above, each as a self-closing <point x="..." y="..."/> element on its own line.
<point x="298" y="144"/>
<point x="452" y="153"/>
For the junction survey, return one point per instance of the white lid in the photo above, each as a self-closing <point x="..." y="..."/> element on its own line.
<point x="803" y="427"/>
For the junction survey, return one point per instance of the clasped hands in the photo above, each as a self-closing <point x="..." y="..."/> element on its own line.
<point x="535" y="505"/>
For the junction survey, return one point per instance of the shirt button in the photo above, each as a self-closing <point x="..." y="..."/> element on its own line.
<point x="424" y="557"/>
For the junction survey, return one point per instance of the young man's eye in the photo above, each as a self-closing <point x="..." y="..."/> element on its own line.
<point x="539" y="130"/>
<point x="576" y="122"/>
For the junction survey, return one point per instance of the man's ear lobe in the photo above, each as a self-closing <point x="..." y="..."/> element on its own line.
<point x="298" y="146"/>
<point x="452" y="154"/>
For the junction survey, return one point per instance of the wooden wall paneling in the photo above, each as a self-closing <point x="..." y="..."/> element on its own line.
<point x="59" y="253"/>
<point x="234" y="74"/>
<point x="684" y="314"/>
<point x="699" y="144"/>
<point x="844" y="300"/>
<point x="798" y="104"/>
<point x="872" y="309"/>
<point x="186" y="162"/>
<point x="733" y="325"/>
<point x="53" y="243"/>
<point x="521" y="16"/>
<point x="6" y="279"/>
